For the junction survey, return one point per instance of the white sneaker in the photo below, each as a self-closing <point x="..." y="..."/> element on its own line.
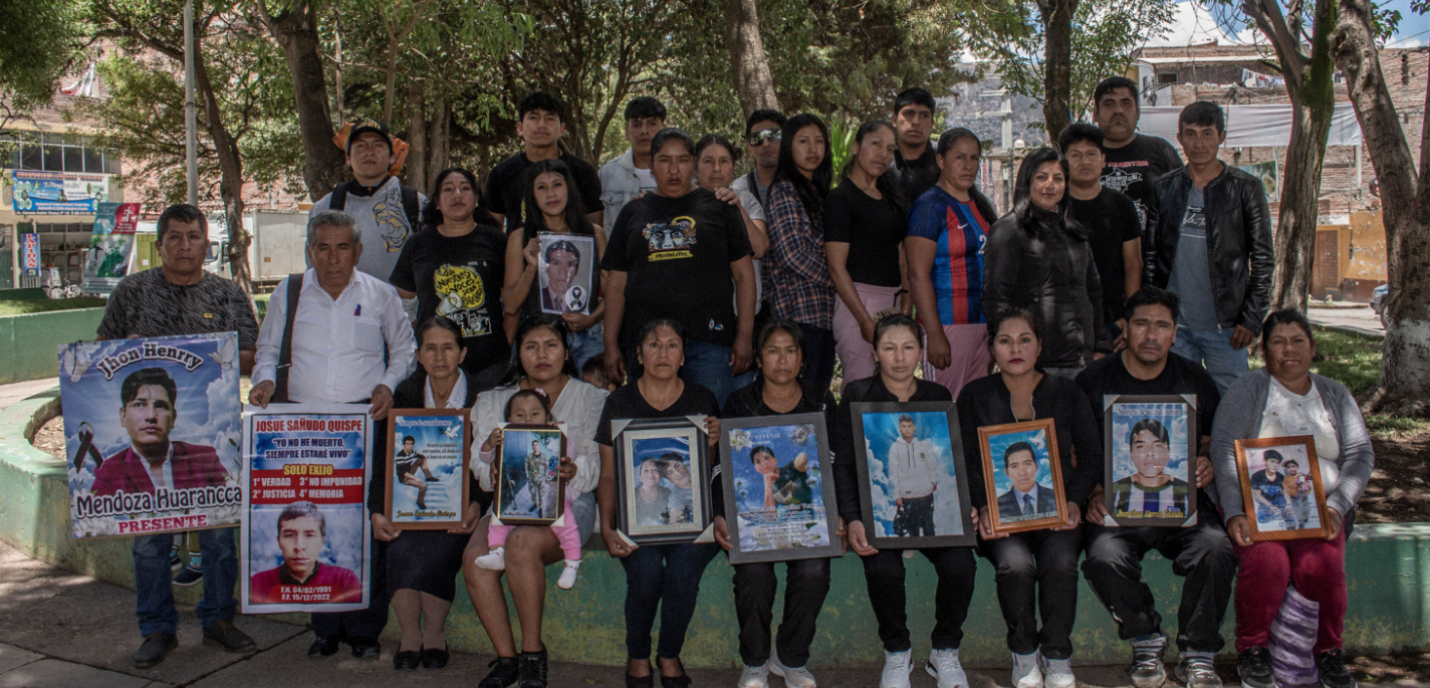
<point x="755" y="677"/>
<point x="568" y="576"/>
<point x="944" y="666"/>
<point x="494" y="560"/>
<point x="795" y="677"/>
<point x="897" y="666"/>
<point x="1027" y="671"/>
<point x="1057" y="673"/>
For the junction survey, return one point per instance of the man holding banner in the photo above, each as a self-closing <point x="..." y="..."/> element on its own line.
<point x="323" y="342"/>
<point x="177" y="298"/>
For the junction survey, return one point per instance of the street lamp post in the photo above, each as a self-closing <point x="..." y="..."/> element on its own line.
<point x="191" y="135"/>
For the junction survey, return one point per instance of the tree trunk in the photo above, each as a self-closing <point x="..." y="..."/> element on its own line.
<point x="1313" y="102"/>
<point x="1057" y="18"/>
<point x="296" y="30"/>
<point x="438" y="135"/>
<point x="230" y="165"/>
<point x="1405" y="363"/>
<point x="753" y="83"/>
<point x="415" y="171"/>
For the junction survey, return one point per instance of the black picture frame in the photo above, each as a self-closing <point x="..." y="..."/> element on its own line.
<point x="783" y="434"/>
<point x="627" y="438"/>
<point x="1153" y="407"/>
<point x="923" y="412"/>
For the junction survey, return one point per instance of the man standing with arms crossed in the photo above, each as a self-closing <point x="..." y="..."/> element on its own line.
<point x="180" y="298"/>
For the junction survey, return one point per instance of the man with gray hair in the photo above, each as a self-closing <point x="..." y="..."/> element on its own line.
<point x="323" y="342"/>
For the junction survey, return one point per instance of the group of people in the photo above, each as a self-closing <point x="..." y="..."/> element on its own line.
<point x="1119" y="270"/>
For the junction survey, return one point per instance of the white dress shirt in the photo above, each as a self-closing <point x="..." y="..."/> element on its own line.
<point x="455" y="399"/>
<point x="338" y="344"/>
<point x="165" y="478"/>
<point x="912" y="468"/>
<point x="1023" y="497"/>
<point x="579" y="407"/>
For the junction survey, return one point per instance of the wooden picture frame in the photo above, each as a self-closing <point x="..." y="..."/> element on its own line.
<point x="641" y="441"/>
<point x="520" y="466"/>
<point x="948" y="512"/>
<point x="1296" y="512"/>
<point x="998" y="444"/>
<point x="792" y="516"/>
<point x="443" y="445"/>
<point x="1148" y="437"/>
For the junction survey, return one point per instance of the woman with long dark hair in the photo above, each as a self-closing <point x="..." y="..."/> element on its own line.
<point x="863" y="238"/>
<point x="446" y="267"/>
<point x="553" y="205"/>
<point x="422" y="565"/>
<point x="1038" y="258"/>
<point x="947" y="230"/>
<point x="797" y="282"/>
<point x="779" y="389"/>
<point x="540" y="361"/>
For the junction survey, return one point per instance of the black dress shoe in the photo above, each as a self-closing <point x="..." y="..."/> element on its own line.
<point x="408" y="659"/>
<point x="324" y="646"/>
<point x="647" y="681"/>
<point x="225" y="635"/>
<point x="155" y="646"/>
<point x="433" y="658"/>
<point x="681" y="681"/>
<point x="365" y="648"/>
<point x="502" y="675"/>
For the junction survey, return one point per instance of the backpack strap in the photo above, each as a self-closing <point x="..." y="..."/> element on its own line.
<point x="285" y="350"/>
<point x="411" y="206"/>
<point x="339" y="198"/>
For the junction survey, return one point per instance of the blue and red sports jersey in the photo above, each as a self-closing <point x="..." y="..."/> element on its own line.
<point x="961" y="233"/>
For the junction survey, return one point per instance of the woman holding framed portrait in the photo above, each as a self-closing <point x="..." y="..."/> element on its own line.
<point x="898" y="353"/>
<point x="542" y="361"/>
<point x="663" y="576"/>
<point x="778" y="390"/>
<point x="1283" y="400"/>
<point x="422" y="565"/>
<point x="1036" y="569"/>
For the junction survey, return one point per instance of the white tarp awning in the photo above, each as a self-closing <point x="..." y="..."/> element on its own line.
<point x="1250" y="126"/>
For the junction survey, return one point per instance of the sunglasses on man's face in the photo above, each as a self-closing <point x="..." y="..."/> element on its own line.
<point x="760" y="137"/>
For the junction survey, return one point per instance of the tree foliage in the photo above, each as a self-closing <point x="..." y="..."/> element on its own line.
<point x="39" y="41"/>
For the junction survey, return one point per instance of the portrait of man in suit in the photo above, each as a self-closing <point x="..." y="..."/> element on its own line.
<point x="147" y="411"/>
<point x="1026" y="500"/>
<point x="563" y="263"/>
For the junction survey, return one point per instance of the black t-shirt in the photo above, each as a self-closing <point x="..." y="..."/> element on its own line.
<point x="627" y="403"/>
<point x="1133" y="168"/>
<point x="1111" y="220"/>
<point x="506" y="186"/>
<point x="460" y="278"/>
<point x="677" y="254"/>
<point x="1109" y="375"/>
<point x="874" y="230"/>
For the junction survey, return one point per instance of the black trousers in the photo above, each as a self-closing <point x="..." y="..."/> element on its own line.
<point x="806" y="584"/>
<point x="1037" y="577"/>
<point x="361" y="623"/>
<point x="917" y="515"/>
<point x="884" y="574"/>
<point x="1202" y="554"/>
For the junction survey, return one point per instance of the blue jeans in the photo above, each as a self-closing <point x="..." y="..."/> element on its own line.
<point x="587" y="345"/>
<point x="665" y="576"/>
<point x="1212" y="348"/>
<point x="152" y="580"/>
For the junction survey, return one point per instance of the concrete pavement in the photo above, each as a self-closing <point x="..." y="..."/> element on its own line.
<point x="16" y="391"/>
<point x="1361" y="320"/>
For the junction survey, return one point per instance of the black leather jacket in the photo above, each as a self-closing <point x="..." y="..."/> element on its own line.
<point x="1239" y="245"/>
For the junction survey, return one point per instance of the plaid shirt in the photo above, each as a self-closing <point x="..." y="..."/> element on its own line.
<point x="796" y="279"/>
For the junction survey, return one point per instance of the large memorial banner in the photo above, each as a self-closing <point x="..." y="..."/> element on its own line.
<point x="305" y="538"/>
<point x="152" y="434"/>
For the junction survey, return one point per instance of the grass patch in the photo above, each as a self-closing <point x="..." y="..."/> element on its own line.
<point x="1384" y="427"/>
<point x="48" y="305"/>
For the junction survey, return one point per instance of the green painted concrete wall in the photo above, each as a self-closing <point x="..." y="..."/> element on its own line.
<point x="28" y="342"/>
<point x="1388" y="567"/>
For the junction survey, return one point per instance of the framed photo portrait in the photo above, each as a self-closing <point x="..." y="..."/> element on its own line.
<point x="1151" y="447"/>
<point x="428" y="451"/>
<point x="779" y="498"/>
<point x="1023" y="476"/>
<point x="529" y="491"/>
<point x="662" y="479"/>
<point x="566" y="266"/>
<point x="911" y="475"/>
<point x="1281" y="486"/>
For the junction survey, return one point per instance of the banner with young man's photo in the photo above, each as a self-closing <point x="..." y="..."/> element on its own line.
<point x="305" y="538"/>
<point x="152" y="434"/>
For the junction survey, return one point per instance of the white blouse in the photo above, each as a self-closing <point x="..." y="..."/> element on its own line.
<point x="1288" y="413"/>
<point x="579" y="407"/>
